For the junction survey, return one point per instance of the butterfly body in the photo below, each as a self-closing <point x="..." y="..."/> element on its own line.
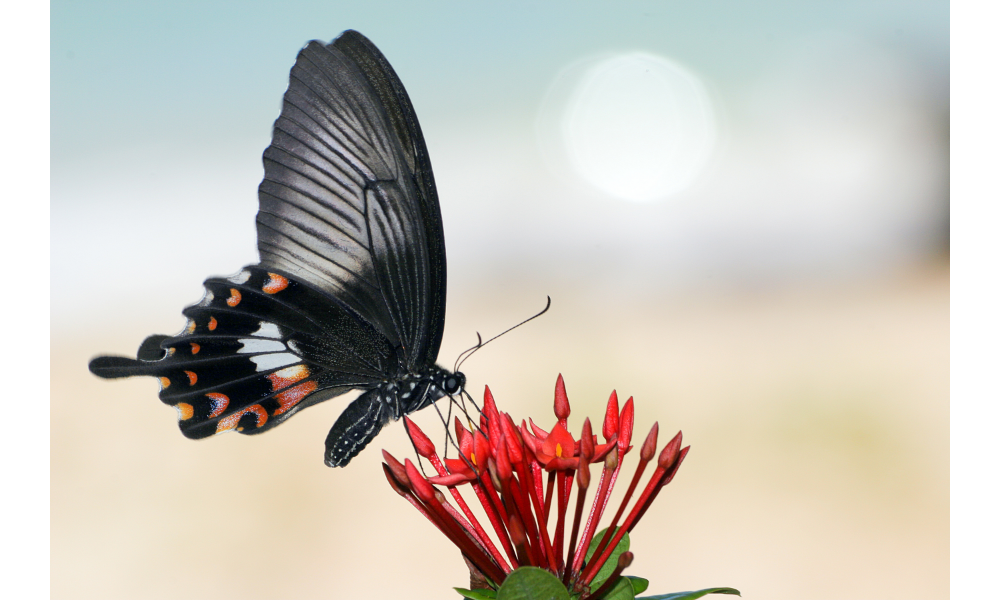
<point x="350" y="289"/>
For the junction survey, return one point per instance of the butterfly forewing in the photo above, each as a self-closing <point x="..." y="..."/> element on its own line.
<point x="341" y="206"/>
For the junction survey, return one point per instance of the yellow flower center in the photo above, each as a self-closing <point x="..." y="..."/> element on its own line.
<point x="558" y="449"/>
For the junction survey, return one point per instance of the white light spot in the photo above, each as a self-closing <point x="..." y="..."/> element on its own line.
<point x="268" y="330"/>
<point x="266" y="362"/>
<point x="636" y="126"/>
<point x="257" y="345"/>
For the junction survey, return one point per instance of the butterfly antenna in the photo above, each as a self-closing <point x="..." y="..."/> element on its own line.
<point x="479" y="342"/>
<point x="471" y="351"/>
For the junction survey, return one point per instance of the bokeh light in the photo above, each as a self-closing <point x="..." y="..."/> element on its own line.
<point x="638" y="126"/>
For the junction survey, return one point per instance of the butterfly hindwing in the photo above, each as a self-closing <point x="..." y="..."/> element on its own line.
<point x="257" y="348"/>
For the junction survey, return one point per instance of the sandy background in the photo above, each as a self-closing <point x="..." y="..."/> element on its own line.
<point x="789" y="312"/>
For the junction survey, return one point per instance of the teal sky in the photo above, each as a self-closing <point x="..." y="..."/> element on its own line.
<point x="123" y="71"/>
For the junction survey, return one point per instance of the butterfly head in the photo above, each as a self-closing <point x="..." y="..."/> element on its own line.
<point x="452" y="383"/>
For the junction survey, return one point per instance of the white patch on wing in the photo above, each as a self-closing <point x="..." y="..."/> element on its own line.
<point x="257" y="345"/>
<point x="268" y="330"/>
<point x="266" y="362"/>
<point x="207" y="299"/>
<point x="240" y="277"/>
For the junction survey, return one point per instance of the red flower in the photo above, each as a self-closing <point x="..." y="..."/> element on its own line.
<point x="504" y="466"/>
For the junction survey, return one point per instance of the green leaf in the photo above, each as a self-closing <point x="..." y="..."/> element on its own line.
<point x="621" y="590"/>
<point x="692" y="595"/>
<point x="609" y="566"/>
<point x="532" y="583"/>
<point x="477" y="594"/>
<point x="639" y="584"/>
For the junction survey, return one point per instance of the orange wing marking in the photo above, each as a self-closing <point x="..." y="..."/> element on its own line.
<point x="275" y="284"/>
<point x="287" y="376"/>
<point x="230" y="422"/>
<point x="191" y="325"/>
<point x="195" y="348"/>
<point x="212" y="323"/>
<point x="165" y="382"/>
<point x="289" y="398"/>
<point x="184" y="411"/>
<point x="192" y="377"/>
<point x="219" y="404"/>
<point x="234" y="297"/>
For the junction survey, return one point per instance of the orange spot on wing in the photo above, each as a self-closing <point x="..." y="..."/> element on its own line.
<point x="212" y="323"/>
<point x="227" y="423"/>
<point x="195" y="348"/>
<point x="219" y="404"/>
<point x="184" y="411"/>
<point x="191" y="325"/>
<point x="275" y="284"/>
<point x="165" y="382"/>
<point x="192" y="377"/>
<point x="287" y="376"/>
<point x="234" y="297"/>
<point x="290" y="398"/>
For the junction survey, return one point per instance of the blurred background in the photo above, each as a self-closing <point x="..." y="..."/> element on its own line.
<point x="740" y="213"/>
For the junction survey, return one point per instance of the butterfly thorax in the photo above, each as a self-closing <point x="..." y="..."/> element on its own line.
<point x="414" y="391"/>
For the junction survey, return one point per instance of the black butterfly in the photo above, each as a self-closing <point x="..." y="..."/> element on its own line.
<point x="350" y="289"/>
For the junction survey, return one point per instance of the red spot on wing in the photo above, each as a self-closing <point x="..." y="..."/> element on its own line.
<point x="212" y="323"/>
<point x="227" y="423"/>
<point x="195" y="348"/>
<point x="219" y="404"/>
<point x="192" y="377"/>
<point x="234" y="297"/>
<point x="287" y="376"/>
<point x="289" y="398"/>
<point x="275" y="284"/>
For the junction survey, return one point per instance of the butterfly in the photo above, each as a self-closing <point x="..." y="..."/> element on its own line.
<point x="349" y="292"/>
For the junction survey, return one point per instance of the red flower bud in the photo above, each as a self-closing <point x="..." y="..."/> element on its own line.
<point x="587" y="442"/>
<point x="423" y="444"/>
<point x="562" y="402"/>
<point x="669" y="453"/>
<point x="395" y="484"/>
<point x="649" y="446"/>
<point x="492" y="419"/>
<point x="460" y="432"/>
<point x="511" y="437"/>
<point x="611" y="417"/>
<point x="504" y="470"/>
<point x="625" y="424"/>
<point x="423" y="489"/>
<point x="397" y="468"/>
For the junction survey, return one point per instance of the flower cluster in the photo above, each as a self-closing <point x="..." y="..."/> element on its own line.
<point x="517" y="473"/>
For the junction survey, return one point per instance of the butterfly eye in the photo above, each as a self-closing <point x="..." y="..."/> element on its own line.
<point x="452" y="385"/>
